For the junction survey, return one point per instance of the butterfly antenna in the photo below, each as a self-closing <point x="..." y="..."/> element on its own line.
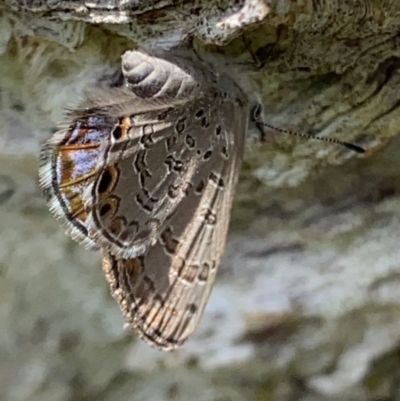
<point x="347" y="145"/>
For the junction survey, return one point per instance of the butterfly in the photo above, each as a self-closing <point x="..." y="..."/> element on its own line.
<point x="146" y="173"/>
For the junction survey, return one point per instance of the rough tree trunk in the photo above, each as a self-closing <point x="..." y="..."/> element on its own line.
<point x="307" y="302"/>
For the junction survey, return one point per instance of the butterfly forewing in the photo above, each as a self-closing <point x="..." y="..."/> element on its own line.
<point x="69" y="164"/>
<point x="132" y="199"/>
<point x="72" y="159"/>
<point x="84" y="171"/>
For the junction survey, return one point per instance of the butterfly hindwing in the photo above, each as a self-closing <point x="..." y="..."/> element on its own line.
<point x="163" y="292"/>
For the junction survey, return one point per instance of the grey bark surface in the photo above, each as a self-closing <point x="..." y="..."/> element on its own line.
<point x="307" y="300"/>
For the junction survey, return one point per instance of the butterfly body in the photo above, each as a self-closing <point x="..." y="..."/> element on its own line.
<point x="147" y="174"/>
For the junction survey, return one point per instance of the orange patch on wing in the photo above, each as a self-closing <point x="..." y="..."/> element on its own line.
<point x="73" y="200"/>
<point x="80" y="146"/>
<point x="133" y="268"/>
<point x="125" y="124"/>
<point x="117" y="225"/>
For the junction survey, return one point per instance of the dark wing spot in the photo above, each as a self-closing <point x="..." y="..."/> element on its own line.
<point x="200" y="188"/>
<point x="192" y="309"/>
<point x="105" y="181"/>
<point x="207" y="155"/>
<point x="117" y="132"/>
<point x="204" y="122"/>
<point x="180" y="126"/>
<point x="217" y="180"/>
<point x="210" y="217"/>
<point x="169" y="242"/>
<point x="173" y="191"/>
<point x="178" y="166"/>
<point x="199" y="113"/>
<point x="105" y="209"/>
<point x="190" y="141"/>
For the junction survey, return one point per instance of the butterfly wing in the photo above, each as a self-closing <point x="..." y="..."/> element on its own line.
<point x="72" y="159"/>
<point x="152" y="157"/>
<point x="68" y="164"/>
<point x="112" y="160"/>
<point x="163" y="292"/>
<point x="150" y="178"/>
<point x="145" y="176"/>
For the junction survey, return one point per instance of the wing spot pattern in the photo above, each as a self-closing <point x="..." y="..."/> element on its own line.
<point x="168" y="241"/>
<point x="217" y="180"/>
<point x="190" y="141"/>
<point x="210" y="217"/>
<point x="199" y="113"/>
<point x="200" y="187"/>
<point x="180" y="125"/>
<point x="204" y="272"/>
<point x="190" y="273"/>
<point x="108" y="180"/>
<point x="207" y="155"/>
